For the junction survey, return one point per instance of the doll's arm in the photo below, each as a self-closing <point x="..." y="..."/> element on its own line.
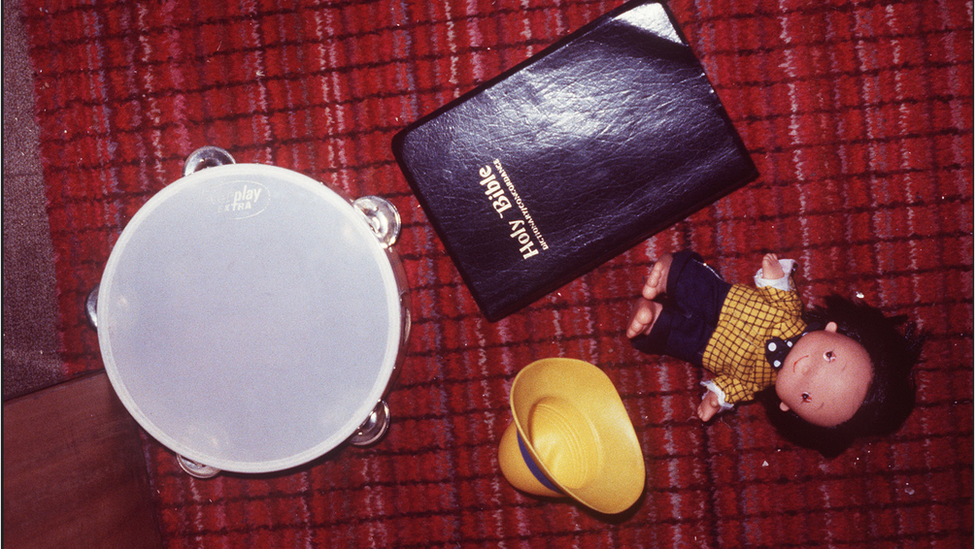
<point x="713" y="402"/>
<point x="771" y="269"/>
<point x="776" y="273"/>
<point x="710" y="405"/>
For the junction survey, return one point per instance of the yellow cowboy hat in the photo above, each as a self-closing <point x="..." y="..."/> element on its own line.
<point x="571" y="436"/>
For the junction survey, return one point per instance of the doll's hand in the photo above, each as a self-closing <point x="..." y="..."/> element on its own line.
<point x="709" y="406"/>
<point x="771" y="269"/>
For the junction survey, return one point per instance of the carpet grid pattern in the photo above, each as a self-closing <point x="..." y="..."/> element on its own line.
<point x="857" y="114"/>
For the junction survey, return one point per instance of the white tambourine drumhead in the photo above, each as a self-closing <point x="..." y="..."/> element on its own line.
<point x="249" y="319"/>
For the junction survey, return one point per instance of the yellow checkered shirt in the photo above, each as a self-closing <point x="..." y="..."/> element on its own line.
<point x="735" y="353"/>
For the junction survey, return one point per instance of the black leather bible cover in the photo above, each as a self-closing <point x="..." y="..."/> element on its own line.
<point x="572" y="157"/>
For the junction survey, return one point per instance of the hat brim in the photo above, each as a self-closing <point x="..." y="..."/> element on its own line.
<point x="577" y="433"/>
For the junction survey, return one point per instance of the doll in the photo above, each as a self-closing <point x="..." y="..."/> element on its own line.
<point x="832" y="374"/>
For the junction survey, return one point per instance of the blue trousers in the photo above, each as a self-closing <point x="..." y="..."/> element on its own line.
<point x="692" y="303"/>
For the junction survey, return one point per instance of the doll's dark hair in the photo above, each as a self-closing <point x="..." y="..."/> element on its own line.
<point x="891" y="394"/>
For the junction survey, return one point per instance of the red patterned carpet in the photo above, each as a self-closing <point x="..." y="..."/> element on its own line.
<point x="859" y="116"/>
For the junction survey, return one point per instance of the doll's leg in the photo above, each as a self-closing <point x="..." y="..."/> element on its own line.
<point x="671" y="331"/>
<point x="657" y="281"/>
<point x="681" y="324"/>
<point x="643" y="317"/>
<point x="695" y="287"/>
<point x="646" y="310"/>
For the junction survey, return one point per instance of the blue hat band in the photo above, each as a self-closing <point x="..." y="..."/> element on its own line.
<point x="536" y="472"/>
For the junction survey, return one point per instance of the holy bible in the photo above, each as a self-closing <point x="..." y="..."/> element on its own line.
<point x="598" y="142"/>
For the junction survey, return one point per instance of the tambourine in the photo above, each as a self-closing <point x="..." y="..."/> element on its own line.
<point x="251" y="319"/>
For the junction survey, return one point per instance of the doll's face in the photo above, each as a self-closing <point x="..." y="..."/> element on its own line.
<point x="824" y="378"/>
